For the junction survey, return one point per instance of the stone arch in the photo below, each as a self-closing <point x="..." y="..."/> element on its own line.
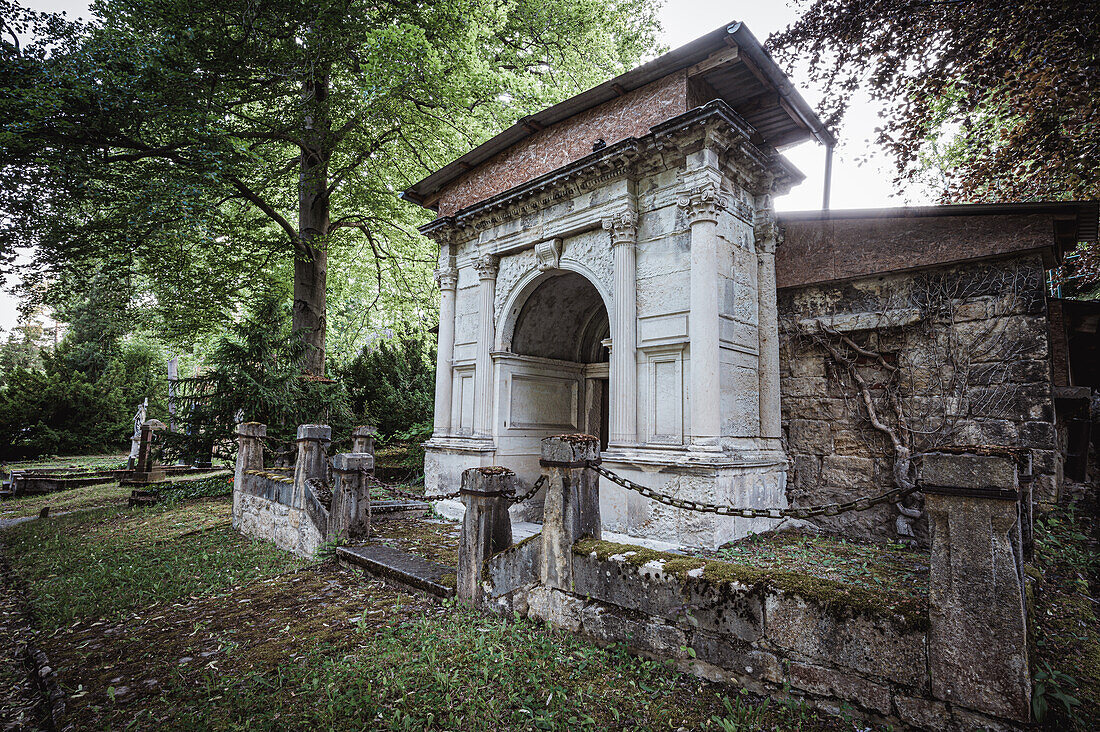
<point x="530" y="281"/>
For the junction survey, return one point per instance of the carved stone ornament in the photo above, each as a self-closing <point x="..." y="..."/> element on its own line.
<point x="446" y="278"/>
<point x="623" y="227"/>
<point x="487" y="266"/>
<point x="702" y="203"/>
<point x="548" y="254"/>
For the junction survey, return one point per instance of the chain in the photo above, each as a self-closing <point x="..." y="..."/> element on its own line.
<point x="405" y="494"/>
<point x="828" y="509"/>
<point x="534" y="489"/>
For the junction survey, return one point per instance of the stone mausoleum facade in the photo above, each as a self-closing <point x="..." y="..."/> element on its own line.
<point x="614" y="265"/>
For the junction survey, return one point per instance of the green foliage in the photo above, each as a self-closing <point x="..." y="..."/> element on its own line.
<point x="392" y="385"/>
<point x="1051" y="685"/>
<point x="255" y="372"/>
<point x="213" y="486"/>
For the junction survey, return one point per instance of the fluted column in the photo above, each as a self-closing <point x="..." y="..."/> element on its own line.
<point x="767" y="320"/>
<point x="487" y="266"/>
<point x="447" y="278"/>
<point x="703" y="203"/>
<point x="624" y="330"/>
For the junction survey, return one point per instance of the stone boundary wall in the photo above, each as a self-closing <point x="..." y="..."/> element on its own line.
<point x="972" y="342"/>
<point x="961" y="664"/>
<point x="287" y="509"/>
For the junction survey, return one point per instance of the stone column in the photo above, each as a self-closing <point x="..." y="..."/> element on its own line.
<point x="447" y="278"/>
<point x="311" y="460"/>
<point x="362" y="439"/>
<point x="486" y="527"/>
<point x="349" y="515"/>
<point x="250" y="456"/>
<point x="487" y="266"/>
<point x="767" y="321"/>
<point x="977" y="645"/>
<point x="572" y="508"/>
<point x="623" y="419"/>
<point x="703" y="204"/>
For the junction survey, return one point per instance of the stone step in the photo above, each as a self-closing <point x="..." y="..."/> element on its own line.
<point x="386" y="509"/>
<point x="395" y="565"/>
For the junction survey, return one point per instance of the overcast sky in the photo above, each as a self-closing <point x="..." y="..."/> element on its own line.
<point x="854" y="186"/>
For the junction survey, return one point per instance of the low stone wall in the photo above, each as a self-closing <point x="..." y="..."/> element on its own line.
<point x="962" y="663"/>
<point x="288" y="509"/>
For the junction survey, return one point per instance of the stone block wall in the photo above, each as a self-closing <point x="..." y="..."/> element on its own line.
<point x="289" y="528"/>
<point x="768" y="640"/>
<point x="971" y="347"/>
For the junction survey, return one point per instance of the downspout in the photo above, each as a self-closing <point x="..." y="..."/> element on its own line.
<point x="828" y="187"/>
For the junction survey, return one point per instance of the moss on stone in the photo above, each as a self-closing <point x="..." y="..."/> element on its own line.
<point x="839" y="598"/>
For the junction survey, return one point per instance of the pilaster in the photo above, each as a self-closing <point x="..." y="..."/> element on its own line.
<point x="703" y="202"/>
<point x="623" y="419"/>
<point x="487" y="267"/>
<point x="447" y="279"/>
<point x="766" y="233"/>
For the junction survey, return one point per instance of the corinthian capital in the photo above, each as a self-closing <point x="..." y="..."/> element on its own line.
<point x="623" y="227"/>
<point x="703" y="202"/>
<point x="446" y="278"/>
<point x="487" y="266"/>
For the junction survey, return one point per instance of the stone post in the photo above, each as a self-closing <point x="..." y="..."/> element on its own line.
<point x="767" y="323"/>
<point x="486" y="527"/>
<point x="572" y="508"/>
<point x="349" y="515"/>
<point x="703" y="203"/>
<point x="977" y="646"/>
<point x="487" y="267"/>
<point x="250" y="456"/>
<point x="624" y="330"/>
<point x="148" y="469"/>
<point x="310" y="463"/>
<point x="362" y="439"/>
<point x="447" y="278"/>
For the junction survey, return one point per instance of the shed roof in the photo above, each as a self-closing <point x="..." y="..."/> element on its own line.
<point x="729" y="59"/>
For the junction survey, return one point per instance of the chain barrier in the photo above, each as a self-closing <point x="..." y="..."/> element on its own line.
<point x="828" y="509"/>
<point x="514" y="498"/>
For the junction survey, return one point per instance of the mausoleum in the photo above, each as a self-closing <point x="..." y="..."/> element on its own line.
<point x="608" y="266"/>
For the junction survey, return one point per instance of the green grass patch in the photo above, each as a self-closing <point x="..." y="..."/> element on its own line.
<point x="73" y="499"/>
<point x="104" y="563"/>
<point x="1066" y="662"/>
<point x="109" y="461"/>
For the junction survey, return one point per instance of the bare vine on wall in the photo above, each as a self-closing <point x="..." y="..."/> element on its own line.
<point x="927" y="360"/>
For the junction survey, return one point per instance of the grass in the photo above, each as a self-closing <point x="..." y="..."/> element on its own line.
<point x="108" y="461"/>
<point x="164" y="618"/>
<point x="73" y="499"/>
<point x="105" y="562"/>
<point x="1066" y="661"/>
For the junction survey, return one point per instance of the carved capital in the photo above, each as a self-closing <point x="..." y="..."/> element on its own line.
<point x="623" y="227"/>
<point x="446" y="278"/>
<point x="703" y="203"/>
<point x="548" y="253"/>
<point x="487" y="266"/>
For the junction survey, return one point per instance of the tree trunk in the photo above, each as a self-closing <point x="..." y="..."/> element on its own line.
<point x="310" y="252"/>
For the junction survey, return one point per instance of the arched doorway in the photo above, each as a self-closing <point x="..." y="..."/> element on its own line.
<point x="564" y="319"/>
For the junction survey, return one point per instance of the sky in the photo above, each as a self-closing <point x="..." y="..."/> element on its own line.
<point x="867" y="184"/>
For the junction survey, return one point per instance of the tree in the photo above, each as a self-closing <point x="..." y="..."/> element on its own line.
<point x="998" y="97"/>
<point x="221" y="141"/>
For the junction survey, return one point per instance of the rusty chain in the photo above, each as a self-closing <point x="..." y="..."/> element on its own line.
<point x="828" y="509"/>
<point x="417" y="497"/>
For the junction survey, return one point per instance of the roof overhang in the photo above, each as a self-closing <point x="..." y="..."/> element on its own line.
<point x="728" y="59"/>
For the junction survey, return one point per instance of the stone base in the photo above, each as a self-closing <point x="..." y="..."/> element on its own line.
<point x="757" y="479"/>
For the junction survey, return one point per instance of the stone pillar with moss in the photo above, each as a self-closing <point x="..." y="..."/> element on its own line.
<point x="312" y="440"/>
<point x="572" y="508"/>
<point x="250" y="456"/>
<point x="349" y="517"/>
<point x="486" y="526"/>
<point x="362" y="438"/>
<point x="977" y="649"/>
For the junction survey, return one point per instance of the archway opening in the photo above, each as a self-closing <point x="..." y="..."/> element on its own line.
<point x="564" y="319"/>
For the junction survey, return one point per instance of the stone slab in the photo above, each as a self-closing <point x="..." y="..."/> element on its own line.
<point x="393" y="564"/>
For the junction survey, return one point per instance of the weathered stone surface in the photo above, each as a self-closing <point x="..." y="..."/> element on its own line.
<point x="923" y="713"/>
<point x="610" y="624"/>
<point x="737" y="656"/>
<point x="558" y="608"/>
<point x="977" y="652"/>
<point x="486" y="526"/>
<point x="871" y="646"/>
<point x="726" y="608"/>
<point x="513" y="568"/>
<point x="829" y="682"/>
<point x="572" y="505"/>
<point x="811" y="437"/>
<point x="847" y="471"/>
<point x="968" y="471"/>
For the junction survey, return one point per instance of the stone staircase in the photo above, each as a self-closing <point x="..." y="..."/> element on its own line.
<point x="408" y="570"/>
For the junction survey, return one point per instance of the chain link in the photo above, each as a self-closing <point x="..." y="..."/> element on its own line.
<point x="828" y="509"/>
<point x="534" y="489"/>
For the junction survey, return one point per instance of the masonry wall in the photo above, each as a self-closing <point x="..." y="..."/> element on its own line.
<point x="970" y="342"/>
<point x="631" y="115"/>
